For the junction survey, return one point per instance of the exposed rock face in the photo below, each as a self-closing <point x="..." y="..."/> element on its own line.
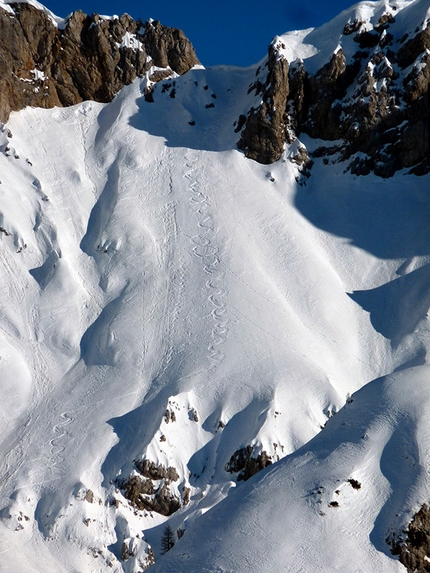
<point x="92" y="58"/>
<point x="168" y="47"/>
<point x="243" y="462"/>
<point x="153" y="471"/>
<point x="328" y="87"/>
<point x="265" y="132"/>
<point x="377" y="103"/>
<point x="144" y="494"/>
<point x="414" y="552"/>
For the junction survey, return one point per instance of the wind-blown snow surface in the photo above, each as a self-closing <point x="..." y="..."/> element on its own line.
<point x="146" y="264"/>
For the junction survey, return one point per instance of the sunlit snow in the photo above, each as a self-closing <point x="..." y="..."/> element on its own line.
<point x="148" y="265"/>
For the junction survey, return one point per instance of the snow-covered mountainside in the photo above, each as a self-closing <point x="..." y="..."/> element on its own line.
<point x="177" y="318"/>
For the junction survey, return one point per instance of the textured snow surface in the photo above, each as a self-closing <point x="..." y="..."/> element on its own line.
<point x="147" y="265"/>
<point x="304" y="513"/>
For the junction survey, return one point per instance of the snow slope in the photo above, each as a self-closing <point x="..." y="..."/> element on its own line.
<point x="147" y="265"/>
<point x="317" y="45"/>
<point x="331" y="505"/>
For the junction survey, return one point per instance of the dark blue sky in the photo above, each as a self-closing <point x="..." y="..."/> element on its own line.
<point x="222" y="31"/>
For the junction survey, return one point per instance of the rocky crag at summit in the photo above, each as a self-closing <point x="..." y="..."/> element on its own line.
<point x="374" y="102"/>
<point x="91" y="58"/>
<point x="370" y="97"/>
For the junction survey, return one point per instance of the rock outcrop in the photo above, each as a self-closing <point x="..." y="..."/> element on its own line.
<point x="245" y="464"/>
<point x="144" y="494"/>
<point x="376" y="103"/>
<point x="266" y="126"/>
<point x="413" y="552"/>
<point x="92" y="58"/>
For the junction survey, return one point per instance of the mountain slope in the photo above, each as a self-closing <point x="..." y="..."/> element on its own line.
<point x="332" y="504"/>
<point x="177" y="316"/>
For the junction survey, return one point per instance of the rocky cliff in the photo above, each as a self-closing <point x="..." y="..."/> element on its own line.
<point x="92" y="57"/>
<point x="371" y="97"/>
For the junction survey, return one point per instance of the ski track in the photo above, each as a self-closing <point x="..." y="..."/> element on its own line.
<point x="167" y="271"/>
<point x="57" y="447"/>
<point x="4" y="547"/>
<point x="17" y="291"/>
<point x="42" y="379"/>
<point x="175" y="274"/>
<point x="174" y="287"/>
<point x="52" y="464"/>
<point x="204" y="249"/>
